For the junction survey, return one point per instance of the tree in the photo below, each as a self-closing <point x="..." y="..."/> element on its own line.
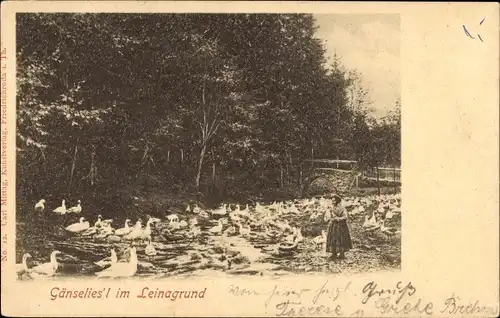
<point x="105" y="99"/>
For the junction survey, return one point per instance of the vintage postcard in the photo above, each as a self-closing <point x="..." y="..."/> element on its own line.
<point x="298" y="159"/>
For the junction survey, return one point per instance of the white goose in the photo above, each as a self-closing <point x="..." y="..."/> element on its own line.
<point x="124" y="230"/>
<point x="90" y="231"/>
<point x="195" y="231"/>
<point x="183" y="224"/>
<point x="216" y="229"/>
<point x="221" y="210"/>
<point x="293" y="209"/>
<point x="259" y="208"/>
<point x="314" y="215"/>
<point x="246" y="210"/>
<point x="291" y="238"/>
<point x="150" y="249"/>
<point x="61" y="209"/>
<point x="272" y="233"/>
<point x="79" y="226"/>
<point x="389" y="232"/>
<point x="136" y="231"/>
<point x="230" y="231"/>
<point x="193" y="221"/>
<point x="76" y="209"/>
<point x="173" y="218"/>
<point x="367" y="221"/>
<point x="98" y="223"/>
<point x="40" y="206"/>
<point x="23" y="267"/>
<point x="354" y="211"/>
<point x="381" y="209"/>
<point x="320" y="239"/>
<point x="244" y="231"/>
<point x="122" y="269"/>
<point x="146" y="232"/>
<point x="106" y="222"/>
<point x="235" y="217"/>
<point x="371" y="224"/>
<point x="284" y="225"/>
<point x="389" y="214"/>
<point x="94" y="229"/>
<point x="108" y="260"/>
<point x="105" y="230"/>
<point x="244" y="213"/>
<point x="298" y="233"/>
<point x="174" y="225"/>
<point x="47" y="269"/>
<point x="196" y="209"/>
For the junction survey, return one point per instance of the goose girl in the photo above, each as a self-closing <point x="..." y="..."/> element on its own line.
<point x="338" y="239"/>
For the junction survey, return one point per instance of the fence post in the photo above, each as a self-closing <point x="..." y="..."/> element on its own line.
<point x="394" y="179"/>
<point x="378" y="181"/>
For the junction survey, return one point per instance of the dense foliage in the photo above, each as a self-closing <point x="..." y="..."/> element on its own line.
<point x="108" y="100"/>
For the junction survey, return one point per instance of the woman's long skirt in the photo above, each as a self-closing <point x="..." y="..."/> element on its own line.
<point x="338" y="239"/>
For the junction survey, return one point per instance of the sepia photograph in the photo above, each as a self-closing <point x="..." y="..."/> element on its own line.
<point x="167" y="144"/>
<point x="245" y="159"/>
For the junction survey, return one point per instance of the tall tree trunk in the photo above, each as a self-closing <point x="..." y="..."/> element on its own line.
<point x="281" y="176"/>
<point x="208" y="129"/>
<point x="200" y="165"/>
<point x="300" y="175"/>
<point x="288" y="175"/>
<point x="73" y="168"/>
<point x="213" y="173"/>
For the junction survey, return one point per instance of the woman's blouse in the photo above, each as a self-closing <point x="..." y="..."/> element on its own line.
<point x="339" y="213"/>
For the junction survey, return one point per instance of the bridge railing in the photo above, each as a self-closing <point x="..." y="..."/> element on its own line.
<point x="332" y="163"/>
<point x="383" y="174"/>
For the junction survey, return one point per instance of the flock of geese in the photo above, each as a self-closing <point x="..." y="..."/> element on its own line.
<point x="260" y="222"/>
<point x="387" y="207"/>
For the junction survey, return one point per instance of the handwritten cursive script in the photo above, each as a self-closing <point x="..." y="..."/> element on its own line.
<point x="455" y="306"/>
<point x="326" y="299"/>
<point x="286" y="292"/>
<point x="387" y="307"/>
<point x="332" y="293"/>
<point x="294" y="309"/>
<point x="298" y="301"/>
<point x="396" y="301"/>
<point x="371" y="289"/>
<point x="238" y="291"/>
